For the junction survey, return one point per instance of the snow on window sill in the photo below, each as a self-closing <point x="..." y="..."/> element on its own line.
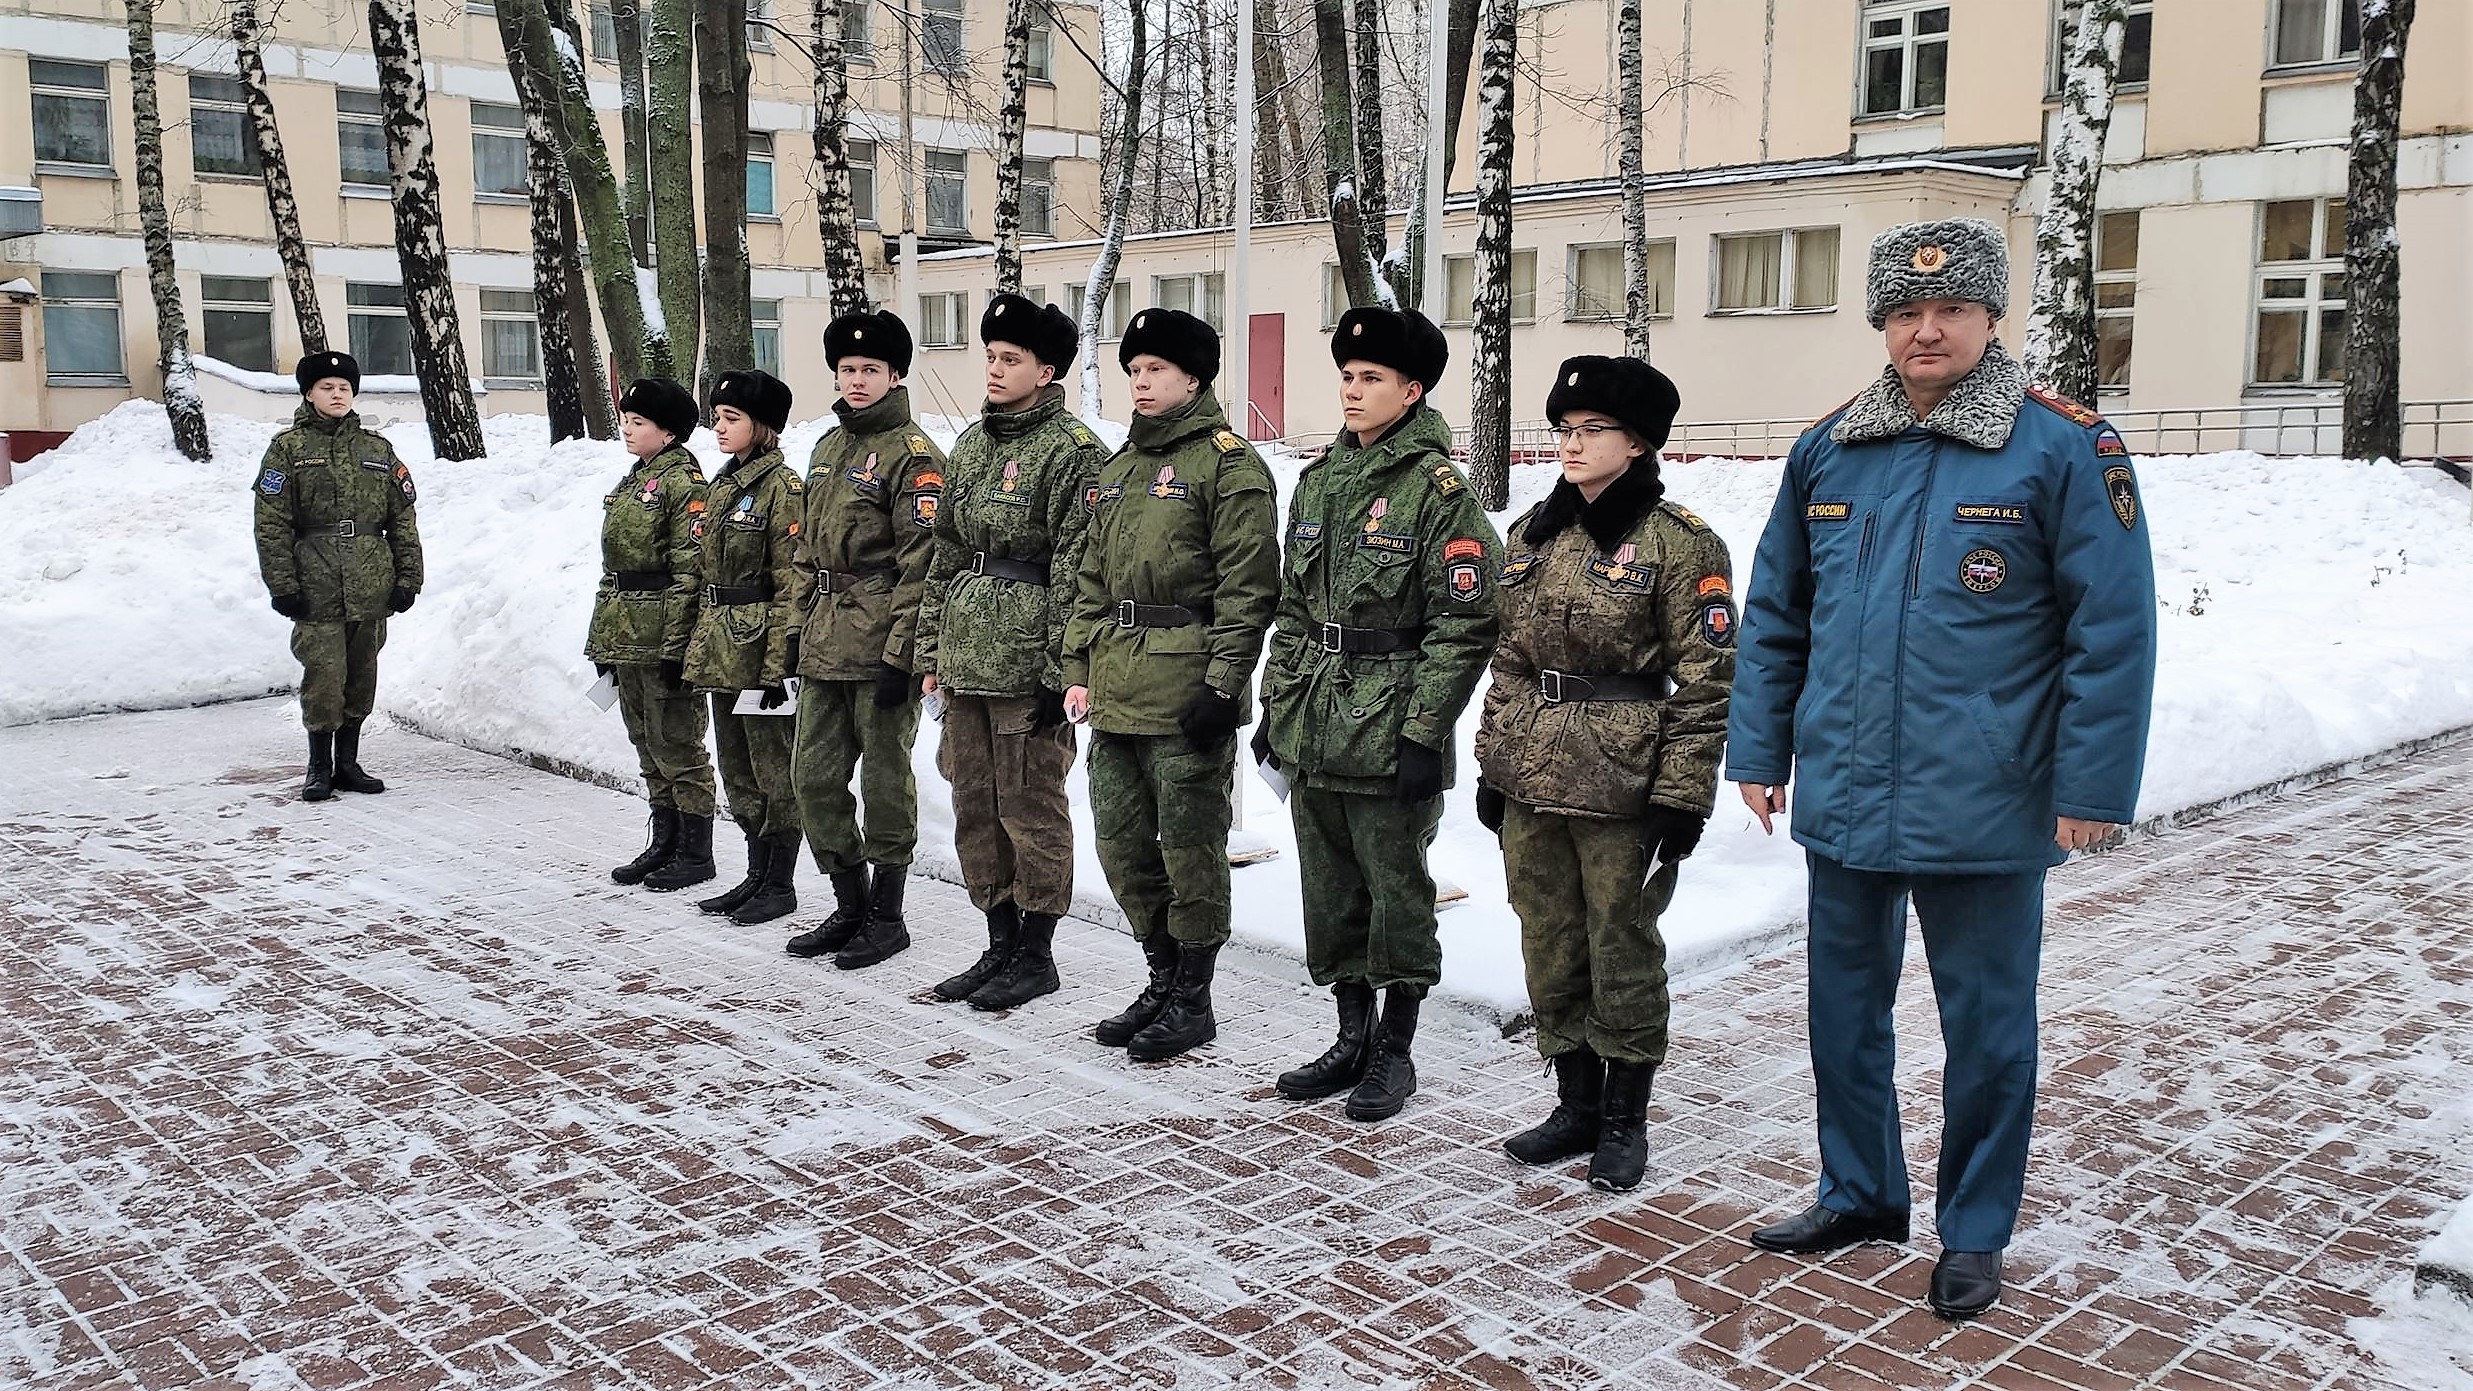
<point x="1889" y="118"/>
<point x="119" y="381"/>
<point x="367" y="191"/>
<point x="76" y="171"/>
<point x="1773" y="311"/>
<point x="941" y="347"/>
<point x="774" y="218"/>
<point x="224" y="176"/>
<point x="2291" y="391"/>
<point x="2345" y="68"/>
<point x="512" y="383"/>
<point x="509" y="200"/>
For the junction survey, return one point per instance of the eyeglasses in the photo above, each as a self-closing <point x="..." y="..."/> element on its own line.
<point x="1587" y="433"/>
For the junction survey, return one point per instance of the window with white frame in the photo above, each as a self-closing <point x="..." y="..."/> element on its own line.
<point x="1116" y="310"/>
<point x="500" y="168"/>
<point x="2137" y="43"/>
<point x="2299" y="312"/>
<point x="859" y="30"/>
<point x="604" y="34"/>
<point x="360" y="139"/>
<point x="764" y="316"/>
<point x="948" y="191"/>
<point x="942" y="37"/>
<point x="1595" y="288"/>
<point x="1204" y="295"/>
<point x="1038" y="197"/>
<point x="863" y="181"/>
<point x="1334" y="295"/>
<point x="760" y="174"/>
<point x="220" y="141"/>
<point x="1042" y="49"/>
<point x="1905" y="56"/>
<point x="2316" y="31"/>
<point x="759" y="25"/>
<point x="1776" y="271"/>
<point x="239" y="316"/>
<point x="944" y="319"/>
<point x="381" y="337"/>
<point x="72" y="113"/>
<point x="2116" y="296"/>
<point x="81" y="328"/>
<point x="510" y="337"/>
<point x="1460" y="288"/>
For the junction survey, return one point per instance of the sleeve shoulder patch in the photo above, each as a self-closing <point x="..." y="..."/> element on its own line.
<point x="927" y="479"/>
<point x="1228" y="442"/>
<point x="2064" y="407"/>
<point x="920" y="448"/>
<point x="2108" y="443"/>
<point x="1447" y="480"/>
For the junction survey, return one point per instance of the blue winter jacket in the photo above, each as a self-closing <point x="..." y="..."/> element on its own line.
<point x="1949" y="639"/>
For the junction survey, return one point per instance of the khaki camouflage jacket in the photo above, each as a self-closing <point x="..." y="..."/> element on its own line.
<point x="873" y="485"/>
<point x="744" y="622"/>
<point x="645" y="609"/>
<point x="1183" y="516"/>
<point x="335" y="519"/>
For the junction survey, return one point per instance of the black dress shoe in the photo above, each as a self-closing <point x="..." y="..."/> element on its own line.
<point x="1965" y="1283"/>
<point x="1817" y="1229"/>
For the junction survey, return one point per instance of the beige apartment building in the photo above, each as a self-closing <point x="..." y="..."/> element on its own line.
<point x="77" y="323"/>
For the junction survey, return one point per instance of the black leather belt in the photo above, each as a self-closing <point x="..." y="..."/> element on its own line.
<point x="642" y="581"/>
<point x="1562" y="687"/>
<point x="843" y="581"/>
<point x="737" y="593"/>
<point x="1335" y="637"/>
<point x="1006" y="568"/>
<point x="1132" y="615"/>
<point x="346" y="530"/>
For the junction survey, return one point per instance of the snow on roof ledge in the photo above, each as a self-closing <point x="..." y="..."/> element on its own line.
<point x="19" y="286"/>
<point x="281" y="384"/>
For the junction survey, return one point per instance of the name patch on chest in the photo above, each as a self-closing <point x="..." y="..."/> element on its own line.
<point x="1618" y="574"/>
<point x="1391" y="542"/>
<point x="1306" y="531"/>
<point x="1828" y="511"/>
<point x="1999" y="513"/>
<point x="1166" y="485"/>
<point x="1517" y="570"/>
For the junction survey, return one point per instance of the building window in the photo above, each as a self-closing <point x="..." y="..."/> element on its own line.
<point x="941" y="38"/>
<point x="499" y="164"/>
<point x="1595" y="289"/>
<point x="2300" y="305"/>
<point x="604" y="34"/>
<point x="760" y="25"/>
<point x="1116" y="311"/>
<point x="72" y="116"/>
<point x="220" y="141"/>
<point x="943" y="318"/>
<point x="1905" y="56"/>
<point x="2316" y="31"/>
<point x="948" y="191"/>
<point x="510" y="336"/>
<point x="1460" y="288"/>
<point x="1778" y="271"/>
<point x="2137" y="43"/>
<point x="2116" y="296"/>
<point x="764" y="316"/>
<point x="1204" y="296"/>
<point x="381" y="335"/>
<point x="1039" y="197"/>
<point x="1334" y="295"/>
<point x="760" y="174"/>
<point x="240" y="321"/>
<point x="360" y="139"/>
<point x="863" y="181"/>
<point x="859" y="30"/>
<point x="1042" y="50"/>
<point x="81" y="328"/>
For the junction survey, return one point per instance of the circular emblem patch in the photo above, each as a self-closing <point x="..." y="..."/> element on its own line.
<point x="1929" y="259"/>
<point x="1983" y="570"/>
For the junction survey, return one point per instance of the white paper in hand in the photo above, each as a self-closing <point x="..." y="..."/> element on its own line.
<point x="752" y="702"/>
<point x="603" y="692"/>
<point x="1274" y="779"/>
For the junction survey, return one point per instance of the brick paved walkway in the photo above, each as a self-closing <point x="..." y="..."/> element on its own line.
<point x="400" y="1092"/>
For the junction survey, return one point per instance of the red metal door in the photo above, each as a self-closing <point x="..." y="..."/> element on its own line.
<point x="1266" y="357"/>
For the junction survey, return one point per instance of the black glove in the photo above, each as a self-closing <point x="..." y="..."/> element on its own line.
<point x="1047" y="709"/>
<point x="1262" y="745"/>
<point x="401" y="600"/>
<point x="1490" y="806"/>
<point x="893" y="686"/>
<point x="772" y="699"/>
<point x="1421" y="772"/>
<point x="1209" y="717"/>
<point x="675" y="673"/>
<point x="1669" y="835"/>
<point x="791" y="663"/>
<point x="291" y="606"/>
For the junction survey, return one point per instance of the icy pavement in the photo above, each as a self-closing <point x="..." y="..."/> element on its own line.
<point x="400" y="1092"/>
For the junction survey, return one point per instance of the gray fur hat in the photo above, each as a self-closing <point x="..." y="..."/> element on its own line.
<point x="1956" y="258"/>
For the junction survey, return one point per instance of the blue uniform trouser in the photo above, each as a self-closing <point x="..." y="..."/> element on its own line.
<point x="1983" y="935"/>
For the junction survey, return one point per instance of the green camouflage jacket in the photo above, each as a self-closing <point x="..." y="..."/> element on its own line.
<point x="1383" y="536"/>
<point x="1184" y="515"/>
<point x="335" y="519"/>
<point x="1017" y="488"/>
<point x="647" y="534"/>
<point x="744" y="622"/>
<point x="872" y="491"/>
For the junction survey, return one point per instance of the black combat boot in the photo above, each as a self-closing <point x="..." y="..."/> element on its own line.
<point x="1623" y="1143"/>
<point x="850" y="891"/>
<point x="1572" y="1129"/>
<point x="657" y="848"/>
<point x="691" y="861"/>
<point x="1117" y="1030"/>
<point x="774" y="897"/>
<point x="348" y="774"/>
<point x="759" y="853"/>
<point x="1004" y="929"/>
<point x="1342" y="1065"/>
<point x="885" y="931"/>
<point x="1187" y="1022"/>
<point x="319" y="784"/>
<point x="1392" y="1077"/>
<point x="1029" y="973"/>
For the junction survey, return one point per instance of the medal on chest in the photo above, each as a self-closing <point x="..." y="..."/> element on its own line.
<point x="1166" y="486"/>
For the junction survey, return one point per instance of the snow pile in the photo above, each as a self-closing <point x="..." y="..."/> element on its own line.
<point x="2446" y="1262"/>
<point x="2312" y="614"/>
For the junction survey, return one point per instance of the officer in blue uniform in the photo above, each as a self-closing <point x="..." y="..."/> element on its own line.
<point x="1949" y="647"/>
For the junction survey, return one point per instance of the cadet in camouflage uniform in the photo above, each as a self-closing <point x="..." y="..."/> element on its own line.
<point x="991" y="638"/>
<point x="872" y="488"/>
<point x="341" y="551"/>
<point x="641" y="619"/>
<point x="1599" y="748"/>
<point x="746" y="636"/>
<point x="1386" y="619"/>
<point x="1177" y="585"/>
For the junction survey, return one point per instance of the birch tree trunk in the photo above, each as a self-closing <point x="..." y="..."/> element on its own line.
<point x="1489" y="436"/>
<point x="1637" y="305"/>
<point x="2060" y="326"/>
<point x="671" y="167"/>
<point x="552" y="73"/>
<point x="837" y="218"/>
<point x="1339" y="153"/>
<point x="2373" y="259"/>
<point x="1211" y="154"/>
<point x="722" y="74"/>
<point x="592" y="371"/>
<point x="627" y="26"/>
<point x="561" y="376"/>
<point x="180" y="398"/>
<point x="1460" y="47"/>
<point x="1102" y="280"/>
<point x="1373" y="176"/>
<point x="1009" y="136"/>
<point x="248" y="38"/>
<point x="420" y="237"/>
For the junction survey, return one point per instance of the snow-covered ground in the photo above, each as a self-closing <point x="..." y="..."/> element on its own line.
<point x="2312" y="613"/>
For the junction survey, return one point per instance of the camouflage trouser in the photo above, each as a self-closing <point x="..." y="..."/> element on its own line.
<point x="1012" y="828"/>
<point x="1369" y="899"/>
<point x="339" y="671"/>
<point x="755" y="768"/>
<point x="1161" y="808"/>
<point x="1588" y="932"/>
<point x="665" y="722"/>
<point x="841" y="728"/>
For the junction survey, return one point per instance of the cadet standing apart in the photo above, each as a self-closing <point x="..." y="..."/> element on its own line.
<point x="340" y="551"/>
<point x="747" y="638"/>
<point x="1177" y="585"/>
<point x="642" y="617"/>
<point x="1599" y="748"/>
<point x="1949" y="646"/>
<point x="872" y="488"/>
<point x="991" y="639"/>
<point x="1386" y="620"/>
